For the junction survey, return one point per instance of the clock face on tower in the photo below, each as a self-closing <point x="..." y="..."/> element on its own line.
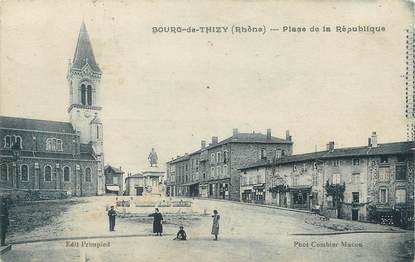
<point x="87" y="113"/>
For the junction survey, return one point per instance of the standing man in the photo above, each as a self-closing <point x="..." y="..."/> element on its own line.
<point x="157" y="222"/>
<point x="111" y="215"/>
<point x="4" y="220"/>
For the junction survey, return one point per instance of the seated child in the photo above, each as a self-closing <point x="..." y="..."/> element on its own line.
<point x="181" y="235"/>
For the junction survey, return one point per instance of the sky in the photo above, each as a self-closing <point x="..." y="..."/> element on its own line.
<point x="170" y="91"/>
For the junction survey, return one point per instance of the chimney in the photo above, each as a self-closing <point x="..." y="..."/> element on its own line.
<point x="269" y="134"/>
<point x="287" y="135"/>
<point x="214" y="140"/>
<point x="369" y="142"/>
<point x="330" y="146"/>
<point x="374" y="140"/>
<point x="203" y="144"/>
<point x="235" y="132"/>
<point x="120" y="168"/>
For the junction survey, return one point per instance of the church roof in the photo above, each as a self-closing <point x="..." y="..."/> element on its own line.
<point x="83" y="52"/>
<point x="35" y="124"/>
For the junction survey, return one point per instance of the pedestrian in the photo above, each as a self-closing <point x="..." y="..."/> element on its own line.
<point x="215" y="224"/>
<point x="181" y="235"/>
<point x="4" y="220"/>
<point x="111" y="215"/>
<point x="157" y="222"/>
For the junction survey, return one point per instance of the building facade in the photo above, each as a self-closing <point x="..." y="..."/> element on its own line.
<point x="370" y="180"/>
<point x="213" y="170"/>
<point x="170" y="179"/>
<point x="114" y="180"/>
<point x="410" y="85"/>
<point x="60" y="156"/>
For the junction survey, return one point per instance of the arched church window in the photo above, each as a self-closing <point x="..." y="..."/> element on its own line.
<point x="83" y="94"/>
<point x="7" y="141"/>
<point x="66" y="174"/>
<point x="48" y="144"/>
<point x="59" y="145"/>
<point x="54" y="144"/>
<point x="10" y="140"/>
<point x="48" y="173"/>
<point x="97" y="131"/>
<point x="19" y="141"/>
<point x="89" y="95"/>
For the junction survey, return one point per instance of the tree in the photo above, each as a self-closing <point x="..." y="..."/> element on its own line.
<point x="336" y="191"/>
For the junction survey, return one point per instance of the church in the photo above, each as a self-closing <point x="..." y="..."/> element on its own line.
<point x="52" y="156"/>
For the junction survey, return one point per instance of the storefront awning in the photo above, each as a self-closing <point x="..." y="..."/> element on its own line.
<point x="190" y="184"/>
<point x="246" y="188"/>
<point x="113" y="188"/>
<point x="300" y="188"/>
<point x="260" y="186"/>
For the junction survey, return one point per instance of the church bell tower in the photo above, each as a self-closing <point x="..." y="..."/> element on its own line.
<point x="84" y="76"/>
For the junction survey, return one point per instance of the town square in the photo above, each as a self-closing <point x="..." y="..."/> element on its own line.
<point x="127" y="135"/>
<point x="240" y="239"/>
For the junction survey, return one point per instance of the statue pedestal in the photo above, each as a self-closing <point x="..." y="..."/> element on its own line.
<point x="154" y="181"/>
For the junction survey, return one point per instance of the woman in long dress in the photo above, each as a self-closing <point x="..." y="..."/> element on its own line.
<point x="157" y="222"/>
<point x="215" y="224"/>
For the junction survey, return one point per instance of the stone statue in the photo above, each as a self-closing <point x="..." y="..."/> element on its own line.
<point x="152" y="158"/>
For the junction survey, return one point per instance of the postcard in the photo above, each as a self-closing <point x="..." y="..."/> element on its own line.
<point x="207" y="130"/>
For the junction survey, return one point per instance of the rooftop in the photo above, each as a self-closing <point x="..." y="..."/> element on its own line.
<point x="138" y="175"/>
<point x="113" y="169"/>
<point x="237" y="138"/>
<point x="83" y="52"/>
<point x="381" y="149"/>
<point x="35" y="124"/>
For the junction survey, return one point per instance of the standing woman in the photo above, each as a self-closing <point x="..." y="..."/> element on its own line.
<point x="215" y="224"/>
<point x="157" y="222"/>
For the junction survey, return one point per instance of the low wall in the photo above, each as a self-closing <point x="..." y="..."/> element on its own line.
<point x="32" y="195"/>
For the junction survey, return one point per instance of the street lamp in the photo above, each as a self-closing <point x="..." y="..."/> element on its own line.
<point x="16" y="150"/>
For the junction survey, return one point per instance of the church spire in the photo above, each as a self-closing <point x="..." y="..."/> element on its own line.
<point x="83" y="52"/>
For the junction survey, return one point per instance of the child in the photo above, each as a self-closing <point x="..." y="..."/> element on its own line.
<point x="181" y="235"/>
